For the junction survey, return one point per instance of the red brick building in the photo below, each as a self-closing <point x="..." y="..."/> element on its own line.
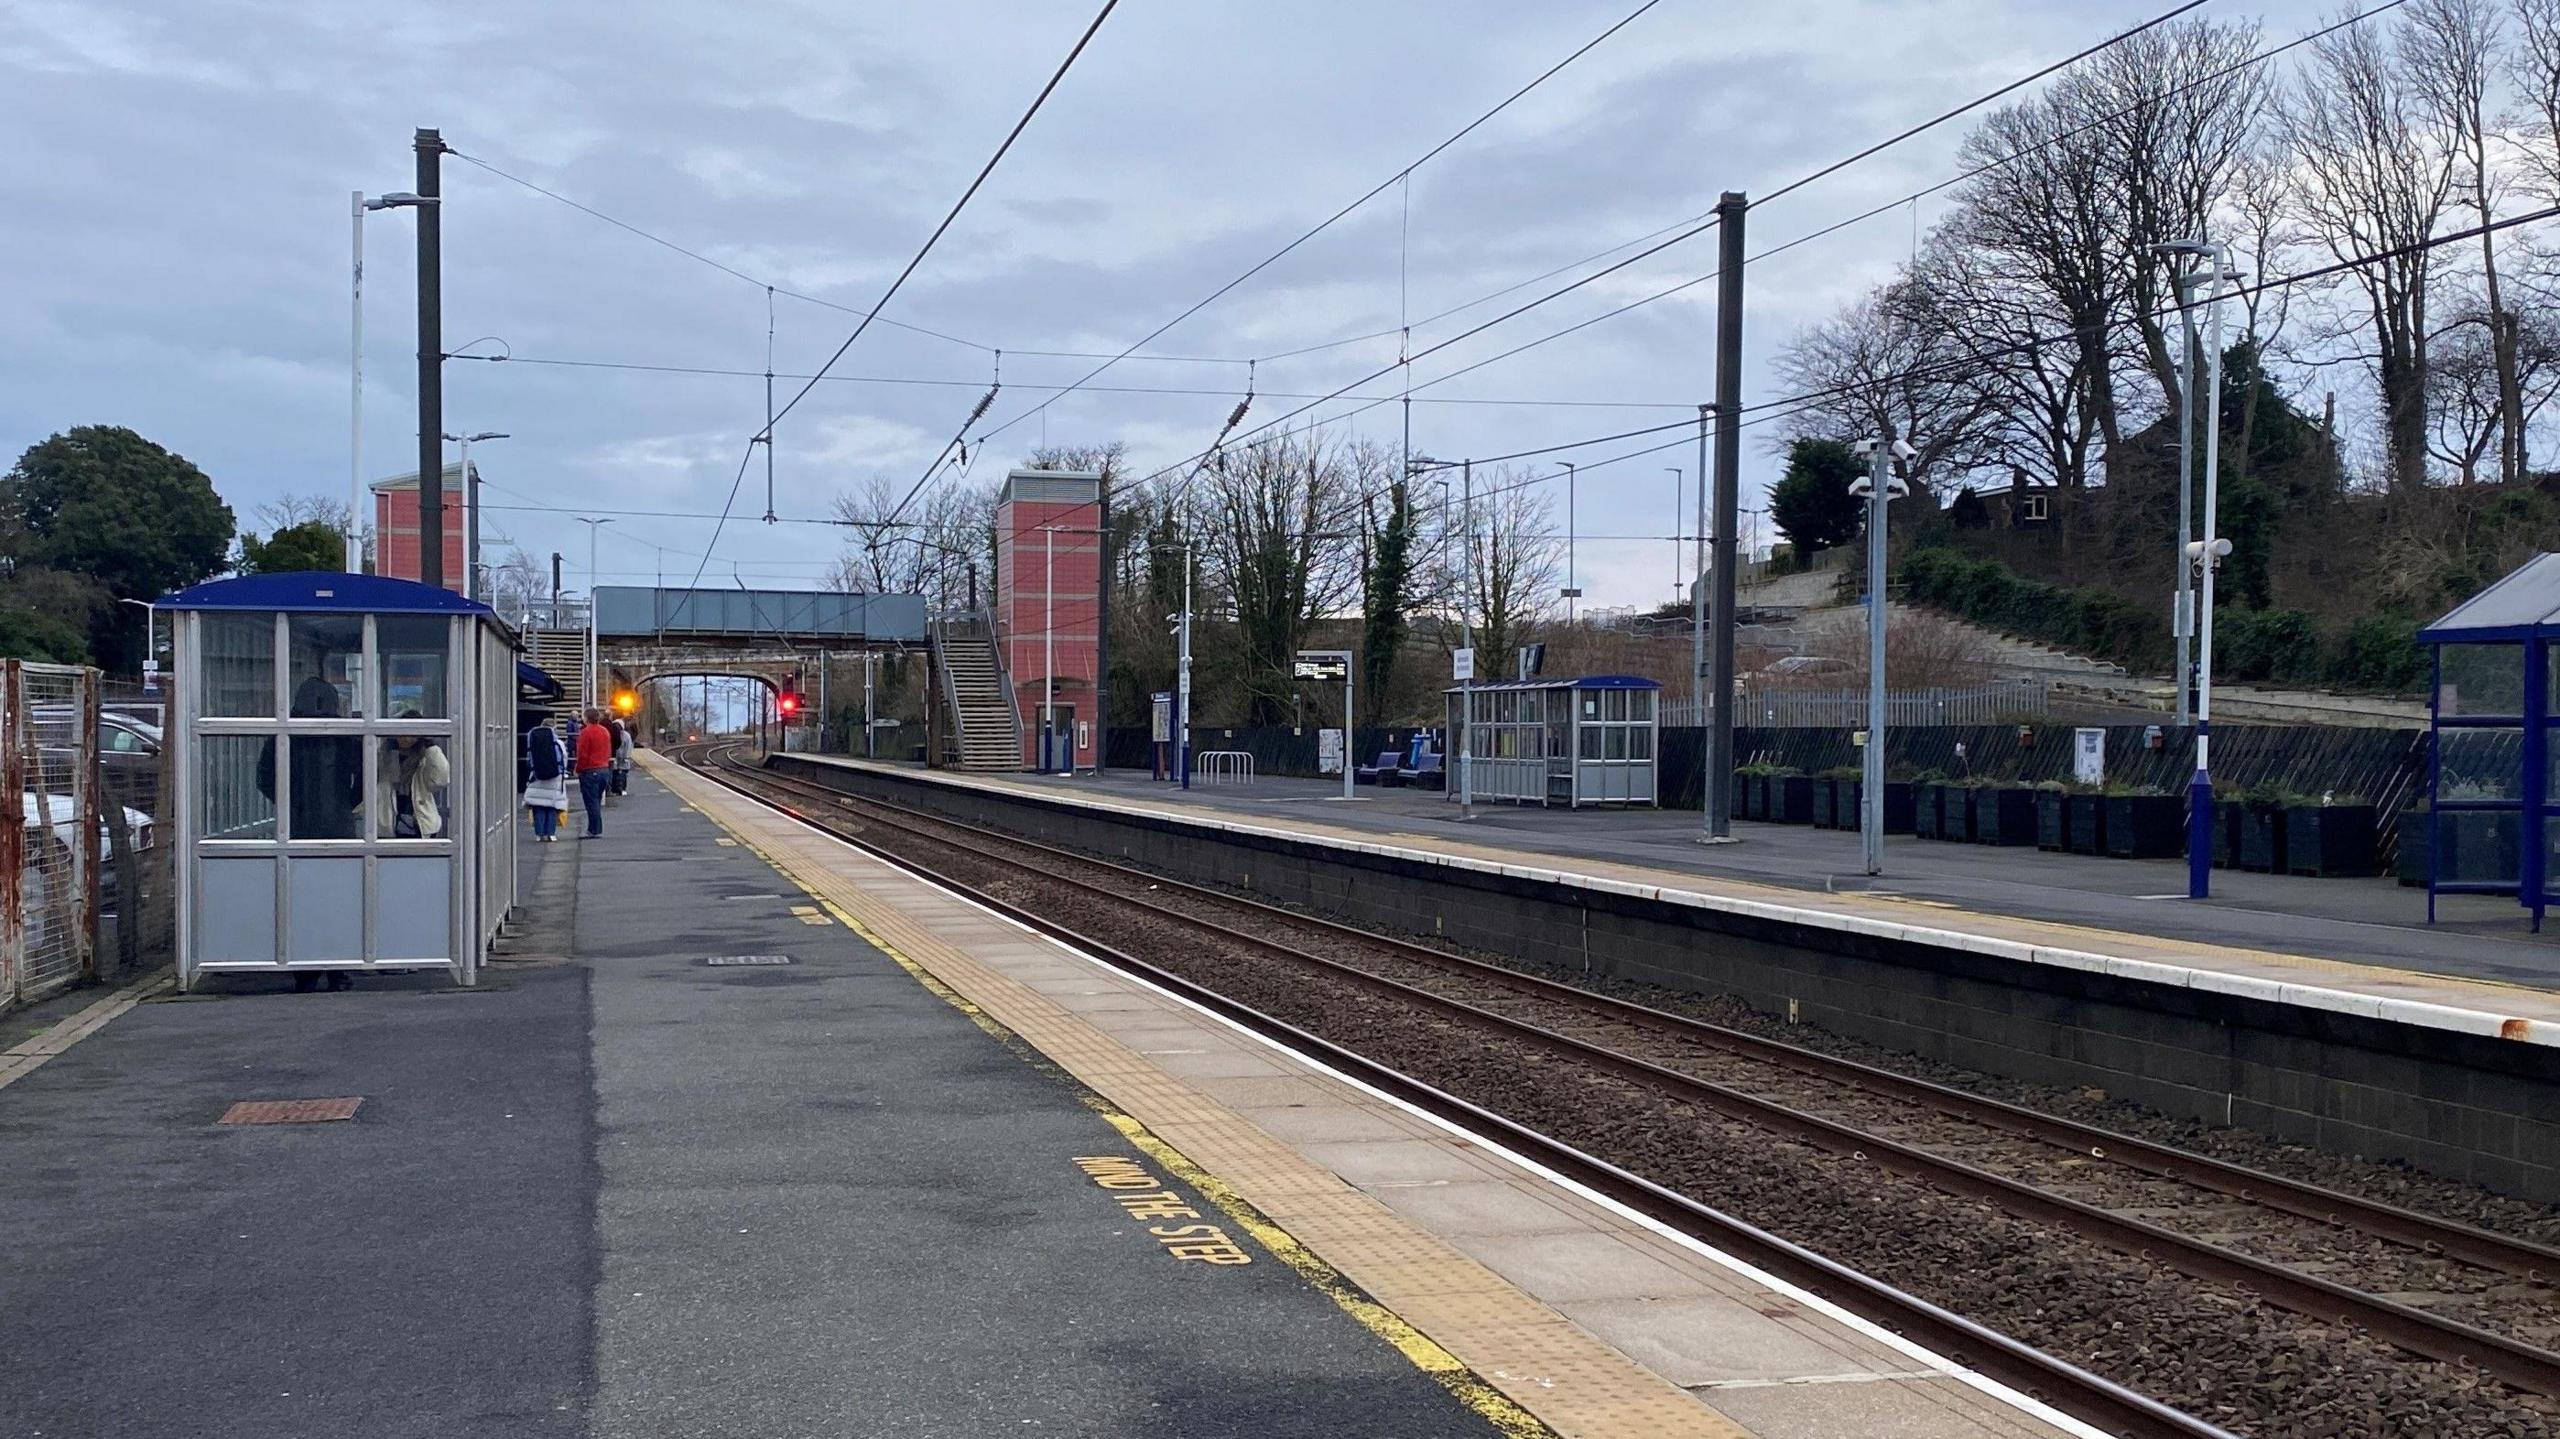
<point x="1049" y="607"/>
<point x="395" y="528"/>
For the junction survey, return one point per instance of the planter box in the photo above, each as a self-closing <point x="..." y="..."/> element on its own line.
<point x="1955" y="819"/>
<point x="2261" y="839"/>
<point x="2144" y="826"/>
<point x="1925" y="811"/>
<point x="1829" y="811"/>
<point x="2053" y="830"/>
<point x="2004" y="815"/>
<point x="1900" y="807"/>
<point x="2329" y="840"/>
<point x="1791" y="799"/>
<point x="2409" y="851"/>
<point x="2084" y="823"/>
<point x="2226" y="833"/>
<point x="1748" y="802"/>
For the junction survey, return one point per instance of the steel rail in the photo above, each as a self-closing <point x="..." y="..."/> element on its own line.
<point x="2427" y="1233"/>
<point x="2523" y="1365"/>
<point x="2089" y="1397"/>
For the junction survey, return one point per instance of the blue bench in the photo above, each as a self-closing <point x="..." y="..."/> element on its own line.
<point x="1382" y="772"/>
<point x="1424" y="773"/>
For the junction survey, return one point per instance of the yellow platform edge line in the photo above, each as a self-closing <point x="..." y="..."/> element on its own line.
<point x="1451" y="1373"/>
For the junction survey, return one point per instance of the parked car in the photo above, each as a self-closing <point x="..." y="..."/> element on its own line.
<point x="63" y="812"/>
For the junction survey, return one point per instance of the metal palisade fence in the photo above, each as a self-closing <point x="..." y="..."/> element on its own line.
<point x="49" y="860"/>
<point x="2023" y="697"/>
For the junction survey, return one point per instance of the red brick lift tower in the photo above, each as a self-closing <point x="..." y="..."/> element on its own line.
<point x="1049" y="526"/>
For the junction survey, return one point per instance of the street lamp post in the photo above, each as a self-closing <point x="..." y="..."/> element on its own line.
<point x="1676" y="474"/>
<point x="1572" y="591"/>
<point x="471" y="510"/>
<point x="2207" y="555"/>
<point x="594" y="526"/>
<point x="1879" y="487"/>
<point x="358" y="204"/>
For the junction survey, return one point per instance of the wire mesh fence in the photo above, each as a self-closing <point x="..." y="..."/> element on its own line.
<point x="48" y="887"/>
<point x="2024" y="697"/>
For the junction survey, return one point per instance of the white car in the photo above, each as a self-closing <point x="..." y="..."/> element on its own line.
<point x="64" y="816"/>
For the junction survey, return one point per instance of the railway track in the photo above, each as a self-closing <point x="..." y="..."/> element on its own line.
<point x="2273" y="1237"/>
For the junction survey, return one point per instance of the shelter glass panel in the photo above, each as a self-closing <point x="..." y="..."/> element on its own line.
<point x="324" y="910"/>
<point x="416" y="899"/>
<point x="1590" y="704"/>
<point x="1616" y="744"/>
<point x="328" y="788"/>
<point x="1640" y="705"/>
<point x="2478" y="680"/>
<point x="1639" y="742"/>
<point x="414" y="656"/>
<point x="235" y="919"/>
<point x="1614" y="705"/>
<point x="325" y="663"/>
<point x="238" y="799"/>
<point x="2480" y="764"/>
<point x="239" y="663"/>
<point x="1590" y="743"/>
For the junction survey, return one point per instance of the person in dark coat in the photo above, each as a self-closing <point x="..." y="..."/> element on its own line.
<point x="328" y="785"/>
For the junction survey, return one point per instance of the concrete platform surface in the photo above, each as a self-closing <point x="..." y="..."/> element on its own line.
<point x="1594" y="1321"/>
<point x="2351" y="945"/>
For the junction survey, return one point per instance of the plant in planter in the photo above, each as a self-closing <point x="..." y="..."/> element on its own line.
<point x="2329" y="838"/>
<point x="2142" y="824"/>
<point x="2052" y="829"/>
<point x="1751" y="790"/>
<point x="2262" y="827"/>
<point x="2004" y="813"/>
<point x="1958" y="803"/>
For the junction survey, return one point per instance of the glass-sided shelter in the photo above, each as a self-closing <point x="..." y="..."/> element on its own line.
<point x="344" y="747"/>
<point x="2492" y="794"/>
<point x="1571" y="742"/>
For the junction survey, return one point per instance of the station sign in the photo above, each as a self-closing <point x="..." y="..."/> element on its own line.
<point x="1462" y="664"/>
<point x="1321" y="666"/>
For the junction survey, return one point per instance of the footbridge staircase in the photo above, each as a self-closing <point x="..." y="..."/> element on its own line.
<point x="982" y="728"/>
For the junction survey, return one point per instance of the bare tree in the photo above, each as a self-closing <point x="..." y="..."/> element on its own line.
<point x="2370" y="183"/>
<point x="2262" y="211"/>
<point x="518" y="587"/>
<point x="2039" y="397"/>
<point x="1509" y="558"/>
<point x="289" y="510"/>
<point x="1886" y="364"/>
<point x="938" y="547"/>
<point x="2534" y="67"/>
<point x="2448" y="52"/>
<point x="2466" y="399"/>
<point x="1272" y="518"/>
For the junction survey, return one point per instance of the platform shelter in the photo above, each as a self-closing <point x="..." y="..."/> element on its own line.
<point x="2490" y="812"/>
<point x="1571" y="742"/>
<point x="346" y="752"/>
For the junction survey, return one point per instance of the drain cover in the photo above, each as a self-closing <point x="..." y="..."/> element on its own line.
<point x="290" y="1111"/>
<point x="747" y="959"/>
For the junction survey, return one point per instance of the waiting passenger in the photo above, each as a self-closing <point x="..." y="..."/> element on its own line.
<point x="328" y="787"/>
<point x="595" y="770"/>
<point x="408" y="799"/>
<point x="546" y="781"/>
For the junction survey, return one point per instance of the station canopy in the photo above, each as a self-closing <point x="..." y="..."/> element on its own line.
<point x="2525" y="605"/>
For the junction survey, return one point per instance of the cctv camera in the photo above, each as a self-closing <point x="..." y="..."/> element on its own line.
<point x="1903" y="451"/>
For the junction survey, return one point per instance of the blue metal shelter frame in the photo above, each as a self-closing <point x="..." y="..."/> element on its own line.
<point x="2491" y="808"/>
<point x="314" y="832"/>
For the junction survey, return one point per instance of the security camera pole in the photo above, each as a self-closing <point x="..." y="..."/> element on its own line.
<point x="1877" y="489"/>
<point x="2206" y="556"/>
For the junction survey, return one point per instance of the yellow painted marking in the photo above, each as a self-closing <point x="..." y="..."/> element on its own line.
<point x="1141" y="1195"/>
<point x="731" y="843"/>
<point x="1450" y="1372"/>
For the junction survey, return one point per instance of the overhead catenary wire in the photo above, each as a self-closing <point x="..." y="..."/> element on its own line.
<point x="1329" y="221"/>
<point x="895" y="285"/>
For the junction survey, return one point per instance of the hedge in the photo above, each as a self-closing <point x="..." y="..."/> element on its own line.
<point x="2378" y="653"/>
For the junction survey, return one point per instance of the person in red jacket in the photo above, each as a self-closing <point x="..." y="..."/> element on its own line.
<point x="595" y="769"/>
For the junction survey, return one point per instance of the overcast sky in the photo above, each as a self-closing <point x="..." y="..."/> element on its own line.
<point x="173" y="226"/>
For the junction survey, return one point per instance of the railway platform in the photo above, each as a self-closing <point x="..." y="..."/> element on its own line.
<point x="2361" y="937"/>
<point x="749" y="1133"/>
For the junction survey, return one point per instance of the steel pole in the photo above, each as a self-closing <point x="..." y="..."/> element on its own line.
<point x="2182" y="603"/>
<point x="1871" y="783"/>
<point x="1182" y="679"/>
<point x="1730" y="212"/>
<point x="1049" y="650"/>
<point x="430" y="148"/>
<point x="1346" y="730"/>
<point x="355" y="398"/>
<point x="1466" y="690"/>
<point x="470" y="523"/>
<point x="2200" y="791"/>
<point x="1573" y="589"/>
<point x="1698" y="611"/>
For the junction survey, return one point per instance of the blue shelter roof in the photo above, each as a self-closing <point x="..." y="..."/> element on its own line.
<point x="2522" y="606"/>
<point x="306" y="591"/>
<point x="537" y="679"/>
<point x="1586" y="682"/>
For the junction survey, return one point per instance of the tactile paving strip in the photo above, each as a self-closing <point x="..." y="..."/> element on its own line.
<point x="291" y="1111"/>
<point x="1536" y="1357"/>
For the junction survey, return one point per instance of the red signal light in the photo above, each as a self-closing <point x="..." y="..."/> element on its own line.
<point x="789" y="704"/>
